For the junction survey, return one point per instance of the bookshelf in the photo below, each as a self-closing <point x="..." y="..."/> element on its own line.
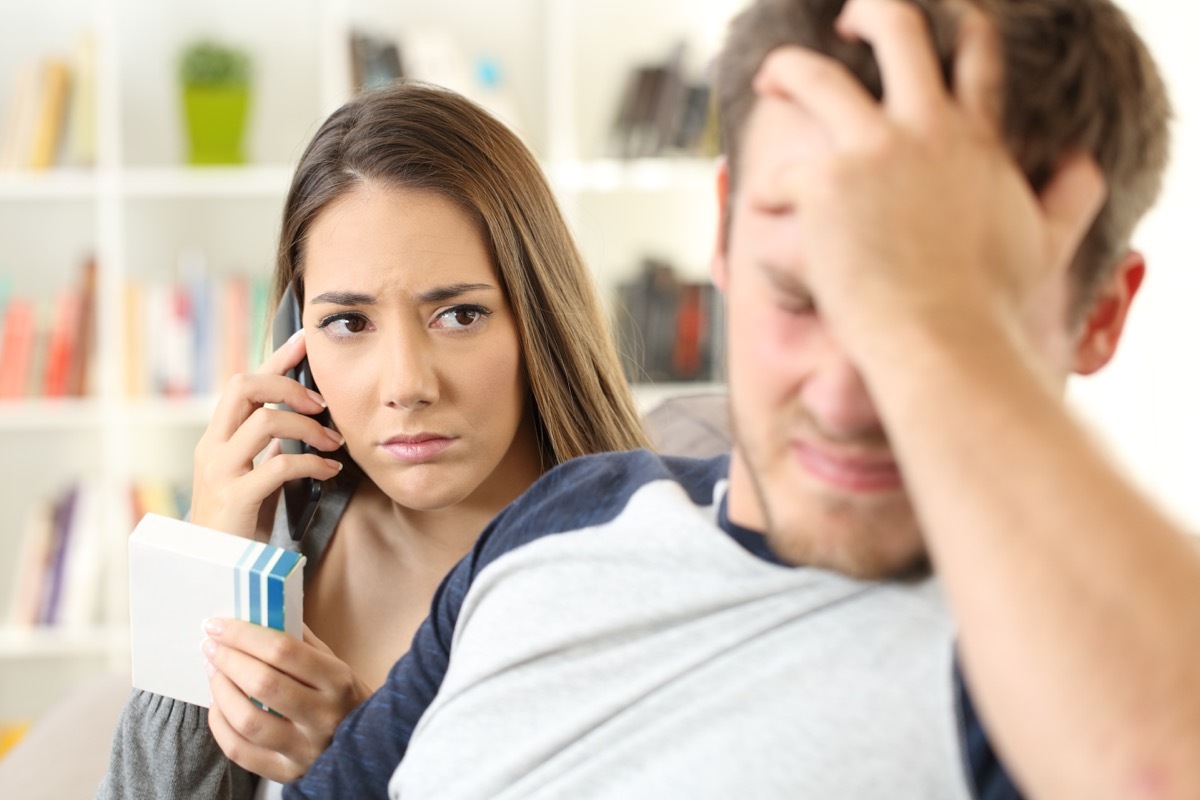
<point x="137" y="208"/>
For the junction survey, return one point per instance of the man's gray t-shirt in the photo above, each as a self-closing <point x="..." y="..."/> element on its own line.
<point x="614" y="635"/>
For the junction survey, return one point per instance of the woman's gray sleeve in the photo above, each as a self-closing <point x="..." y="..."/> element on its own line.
<point x="163" y="750"/>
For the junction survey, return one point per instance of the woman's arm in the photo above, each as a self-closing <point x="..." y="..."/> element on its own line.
<point x="163" y="749"/>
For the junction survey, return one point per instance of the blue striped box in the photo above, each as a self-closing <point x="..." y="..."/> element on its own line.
<point x="179" y="575"/>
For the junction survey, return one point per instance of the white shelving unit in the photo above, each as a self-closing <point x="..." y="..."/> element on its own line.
<point x="137" y="209"/>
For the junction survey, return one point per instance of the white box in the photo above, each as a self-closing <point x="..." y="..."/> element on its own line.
<point x="179" y="575"/>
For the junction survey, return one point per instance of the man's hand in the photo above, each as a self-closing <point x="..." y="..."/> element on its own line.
<point x="311" y="690"/>
<point x="915" y="211"/>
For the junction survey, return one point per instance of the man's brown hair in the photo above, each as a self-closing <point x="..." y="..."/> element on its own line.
<point x="1078" y="78"/>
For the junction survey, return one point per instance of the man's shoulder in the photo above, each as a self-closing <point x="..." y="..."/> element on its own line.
<point x="592" y="490"/>
<point x="603" y="482"/>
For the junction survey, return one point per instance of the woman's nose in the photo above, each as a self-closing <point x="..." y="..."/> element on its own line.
<point x="408" y="377"/>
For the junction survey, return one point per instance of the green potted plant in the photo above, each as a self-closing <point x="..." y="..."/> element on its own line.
<point x="215" y="79"/>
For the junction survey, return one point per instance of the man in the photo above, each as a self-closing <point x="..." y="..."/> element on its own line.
<point x="909" y="281"/>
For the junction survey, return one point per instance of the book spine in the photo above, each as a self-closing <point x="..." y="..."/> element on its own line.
<point x="19" y="335"/>
<point x="56" y="572"/>
<point x="61" y="343"/>
<point x="85" y="332"/>
<point x="48" y="132"/>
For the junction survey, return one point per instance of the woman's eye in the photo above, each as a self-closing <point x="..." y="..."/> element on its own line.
<point x="460" y="317"/>
<point x="343" y="324"/>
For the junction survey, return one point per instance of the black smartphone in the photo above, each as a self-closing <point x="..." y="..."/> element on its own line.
<point x="302" y="495"/>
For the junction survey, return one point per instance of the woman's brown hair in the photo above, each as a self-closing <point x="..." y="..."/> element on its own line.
<point x="415" y="136"/>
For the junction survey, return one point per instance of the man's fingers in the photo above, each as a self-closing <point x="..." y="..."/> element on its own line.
<point x="822" y="87"/>
<point x="979" y="69"/>
<point x="1070" y="203"/>
<point x="913" y="86"/>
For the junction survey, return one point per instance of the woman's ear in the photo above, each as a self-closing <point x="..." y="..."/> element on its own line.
<point x="720" y="264"/>
<point x="1105" y="322"/>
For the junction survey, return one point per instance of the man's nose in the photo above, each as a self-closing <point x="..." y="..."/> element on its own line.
<point x="838" y="400"/>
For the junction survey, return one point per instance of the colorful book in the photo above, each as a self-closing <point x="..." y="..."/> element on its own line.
<point x="82" y="560"/>
<point x="136" y="370"/>
<point x="81" y="114"/>
<point x="51" y="112"/>
<point x="31" y="565"/>
<point x="52" y="584"/>
<point x="85" y="332"/>
<point x="62" y="341"/>
<point x="20" y="332"/>
<point x="21" y="119"/>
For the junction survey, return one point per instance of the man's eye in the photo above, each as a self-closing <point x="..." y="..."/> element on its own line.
<point x="798" y="307"/>
<point x="461" y="317"/>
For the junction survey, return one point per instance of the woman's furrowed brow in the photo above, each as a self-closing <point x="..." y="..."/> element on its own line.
<point x="344" y="299"/>
<point x="437" y="294"/>
<point x="441" y="294"/>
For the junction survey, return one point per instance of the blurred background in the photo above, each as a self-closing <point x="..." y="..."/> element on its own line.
<point x="135" y="246"/>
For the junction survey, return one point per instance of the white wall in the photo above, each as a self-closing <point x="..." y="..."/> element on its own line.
<point x="1147" y="402"/>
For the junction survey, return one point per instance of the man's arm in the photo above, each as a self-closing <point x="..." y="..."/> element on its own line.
<point x="370" y="743"/>
<point x="1077" y="600"/>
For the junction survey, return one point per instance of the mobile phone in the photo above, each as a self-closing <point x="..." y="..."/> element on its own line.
<point x="301" y="496"/>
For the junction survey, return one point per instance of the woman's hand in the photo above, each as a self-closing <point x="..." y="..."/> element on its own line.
<point x="229" y="489"/>
<point x="303" y="681"/>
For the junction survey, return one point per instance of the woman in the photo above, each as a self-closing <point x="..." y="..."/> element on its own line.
<point x="460" y="350"/>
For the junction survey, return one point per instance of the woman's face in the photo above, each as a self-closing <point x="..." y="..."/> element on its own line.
<point x="414" y="347"/>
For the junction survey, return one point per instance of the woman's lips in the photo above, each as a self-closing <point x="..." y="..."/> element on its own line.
<point x="849" y="472"/>
<point x="416" y="449"/>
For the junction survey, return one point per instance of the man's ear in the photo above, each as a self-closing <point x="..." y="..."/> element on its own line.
<point x="1105" y="322"/>
<point x="720" y="263"/>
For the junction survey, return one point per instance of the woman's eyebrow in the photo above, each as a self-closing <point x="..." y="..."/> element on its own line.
<point x="438" y="294"/>
<point x="344" y="299"/>
<point x="441" y="294"/>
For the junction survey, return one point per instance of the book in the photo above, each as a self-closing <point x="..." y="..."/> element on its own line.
<point x="154" y="497"/>
<point x="52" y="582"/>
<point x="82" y="559"/>
<point x="21" y="118"/>
<point x="80" y="134"/>
<point x="669" y="100"/>
<point x="51" y="111"/>
<point x="259" y="340"/>
<point x="136" y="376"/>
<point x="5" y="297"/>
<point x="669" y="330"/>
<point x="235" y="323"/>
<point x="663" y="112"/>
<point x="18" y="345"/>
<point x="62" y="341"/>
<point x="636" y="136"/>
<point x="85" y="333"/>
<point x="194" y="285"/>
<point x="31" y="565"/>
<point x="374" y="61"/>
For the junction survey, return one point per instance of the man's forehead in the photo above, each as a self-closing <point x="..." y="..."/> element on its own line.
<point x="777" y="133"/>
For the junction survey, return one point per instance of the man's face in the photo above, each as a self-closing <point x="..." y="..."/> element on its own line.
<point x="812" y="465"/>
